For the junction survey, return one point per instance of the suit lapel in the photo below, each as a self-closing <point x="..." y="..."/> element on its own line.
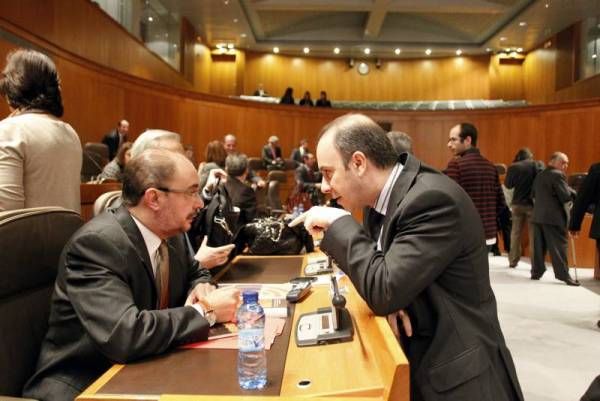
<point x="135" y="237"/>
<point x="401" y="187"/>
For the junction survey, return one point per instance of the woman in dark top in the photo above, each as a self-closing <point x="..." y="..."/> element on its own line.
<point x="288" y="97"/>
<point x="306" y="100"/>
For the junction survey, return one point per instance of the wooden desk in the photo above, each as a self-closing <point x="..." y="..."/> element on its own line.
<point x="372" y="366"/>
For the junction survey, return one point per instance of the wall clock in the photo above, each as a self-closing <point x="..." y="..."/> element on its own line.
<point x="362" y="68"/>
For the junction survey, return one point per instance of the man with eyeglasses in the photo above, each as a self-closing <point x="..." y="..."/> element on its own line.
<point x="478" y="177"/>
<point x="127" y="288"/>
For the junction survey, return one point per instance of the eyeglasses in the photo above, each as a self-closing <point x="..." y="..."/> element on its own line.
<point x="191" y="192"/>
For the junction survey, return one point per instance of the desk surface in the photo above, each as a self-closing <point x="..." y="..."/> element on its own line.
<point x="371" y="366"/>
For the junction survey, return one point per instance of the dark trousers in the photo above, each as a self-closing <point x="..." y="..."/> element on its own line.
<point x="552" y="239"/>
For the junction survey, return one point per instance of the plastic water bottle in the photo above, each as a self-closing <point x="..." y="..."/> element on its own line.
<point x="252" y="358"/>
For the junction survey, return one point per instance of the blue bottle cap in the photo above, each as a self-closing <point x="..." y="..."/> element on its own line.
<point x="250" y="296"/>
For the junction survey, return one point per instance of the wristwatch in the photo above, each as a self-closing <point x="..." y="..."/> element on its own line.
<point x="209" y="312"/>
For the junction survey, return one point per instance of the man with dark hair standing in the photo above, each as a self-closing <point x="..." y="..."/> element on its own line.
<point x="519" y="178"/>
<point x="551" y="196"/>
<point x="116" y="138"/>
<point x="477" y="176"/>
<point x="308" y="180"/>
<point x="126" y="286"/>
<point x="419" y="250"/>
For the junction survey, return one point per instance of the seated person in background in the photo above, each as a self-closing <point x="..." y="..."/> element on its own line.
<point x="230" y="145"/>
<point x="288" y="97"/>
<point x="306" y="100"/>
<point x="242" y="195"/>
<point x="260" y="91"/>
<point x="299" y="152"/>
<point x="308" y="179"/>
<point x="114" y="169"/>
<point x="116" y="138"/>
<point x="214" y="157"/>
<point x="271" y="155"/>
<point x="127" y="288"/>
<point x="323" y="101"/>
<point x="401" y="141"/>
<point x="40" y="155"/>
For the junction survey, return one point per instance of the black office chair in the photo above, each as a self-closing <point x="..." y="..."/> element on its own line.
<point x="31" y="241"/>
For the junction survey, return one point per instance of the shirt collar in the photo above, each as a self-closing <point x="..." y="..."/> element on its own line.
<point x="381" y="205"/>
<point x="151" y="240"/>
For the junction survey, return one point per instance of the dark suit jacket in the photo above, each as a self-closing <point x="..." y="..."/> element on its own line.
<point x="520" y="176"/>
<point x="589" y="194"/>
<point x="112" y="141"/>
<point x="434" y="265"/>
<point x="550" y="194"/>
<point x="104" y="306"/>
<point x="297" y="156"/>
<point x="267" y="156"/>
<point x="243" y="197"/>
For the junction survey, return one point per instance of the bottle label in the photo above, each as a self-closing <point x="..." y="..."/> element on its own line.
<point x="251" y="340"/>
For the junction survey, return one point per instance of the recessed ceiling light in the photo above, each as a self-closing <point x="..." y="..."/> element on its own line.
<point x="502" y="38"/>
<point x="150" y="19"/>
<point x="428" y="52"/>
<point x="488" y="49"/>
<point x="226" y="2"/>
<point x="519" y="49"/>
<point x="547" y="5"/>
<point x="522" y="23"/>
<point x="367" y="50"/>
<point x="276" y="50"/>
<point x="306" y="50"/>
<point x="230" y="46"/>
<point x="594" y="55"/>
<point x="235" y="20"/>
<point x="336" y="50"/>
<point x="175" y="45"/>
<point x="397" y="51"/>
<point x="458" y="52"/>
<point x="243" y="35"/>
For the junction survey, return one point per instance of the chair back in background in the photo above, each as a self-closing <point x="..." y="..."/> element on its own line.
<point x="92" y="165"/>
<point x="107" y="200"/>
<point x="100" y="149"/>
<point x="31" y="241"/>
<point x="255" y="164"/>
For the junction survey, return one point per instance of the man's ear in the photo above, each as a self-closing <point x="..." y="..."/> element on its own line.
<point x="151" y="199"/>
<point x="358" y="162"/>
<point x="468" y="140"/>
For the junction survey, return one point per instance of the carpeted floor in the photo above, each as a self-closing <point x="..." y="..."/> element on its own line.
<point x="550" y="329"/>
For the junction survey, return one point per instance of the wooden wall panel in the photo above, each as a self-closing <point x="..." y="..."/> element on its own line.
<point x="506" y="80"/>
<point x="431" y="79"/>
<point x="77" y="25"/>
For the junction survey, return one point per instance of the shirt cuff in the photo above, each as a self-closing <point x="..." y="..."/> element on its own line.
<point x="198" y="309"/>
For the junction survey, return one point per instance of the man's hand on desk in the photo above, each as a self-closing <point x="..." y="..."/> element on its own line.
<point x="209" y="257"/>
<point x="318" y="218"/>
<point x="224" y="302"/>
<point x="200" y="291"/>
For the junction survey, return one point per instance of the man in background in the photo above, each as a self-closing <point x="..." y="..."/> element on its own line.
<point x="242" y="195"/>
<point x="230" y="144"/>
<point x="519" y="178"/>
<point x="299" y="152"/>
<point x="116" y="138"/>
<point x="551" y="195"/>
<point x="477" y="176"/>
